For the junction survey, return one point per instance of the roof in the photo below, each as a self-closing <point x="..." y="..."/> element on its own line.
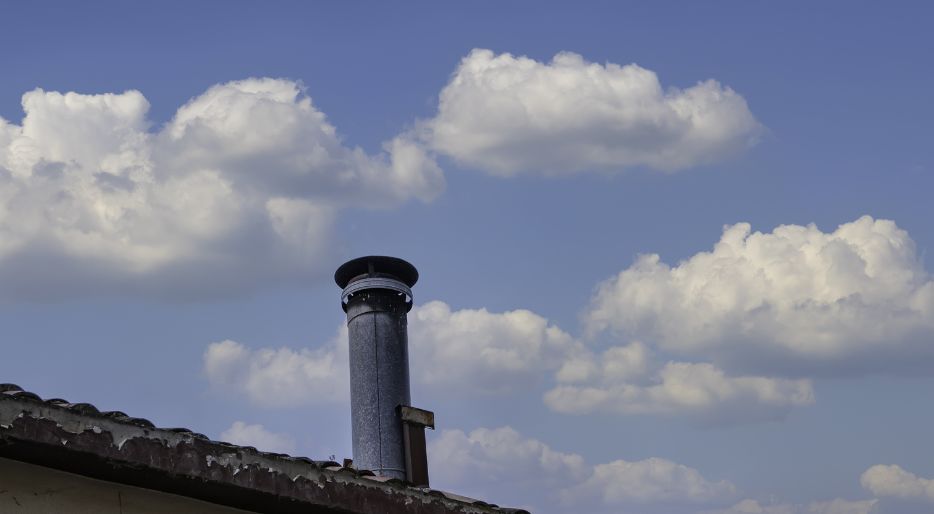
<point x="112" y="446"/>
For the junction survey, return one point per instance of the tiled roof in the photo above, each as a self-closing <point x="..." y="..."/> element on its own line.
<point x="78" y="438"/>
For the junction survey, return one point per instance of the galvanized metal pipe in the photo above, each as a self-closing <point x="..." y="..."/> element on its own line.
<point x="376" y="297"/>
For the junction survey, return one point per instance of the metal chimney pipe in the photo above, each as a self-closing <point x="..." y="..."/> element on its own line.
<point x="376" y="297"/>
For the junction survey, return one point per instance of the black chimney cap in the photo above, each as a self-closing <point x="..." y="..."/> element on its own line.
<point x="376" y="265"/>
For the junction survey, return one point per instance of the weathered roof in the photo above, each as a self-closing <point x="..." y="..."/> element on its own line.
<point x="78" y="438"/>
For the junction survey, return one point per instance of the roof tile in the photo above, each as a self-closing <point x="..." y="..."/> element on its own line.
<point x="16" y="393"/>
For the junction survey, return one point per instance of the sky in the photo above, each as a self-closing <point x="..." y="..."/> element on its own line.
<point x="674" y="256"/>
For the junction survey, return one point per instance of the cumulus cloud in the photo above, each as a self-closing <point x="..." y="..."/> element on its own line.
<point x="795" y="300"/>
<point x="648" y="481"/>
<point x="279" y="377"/>
<point x="507" y="115"/>
<point x="493" y="351"/>
<point x="471" y="351"/>
<point x="239" y="188"/>
<point x="474" y="351"/>
<point x="477" y="351"/>
<point x="891" y="481"/>
<point x="625" y="379"/>
<point x="836" y="506"/>
<point x="502" y="454"/>
<point x="258" y="437"/>
<point x="497" y="463"/>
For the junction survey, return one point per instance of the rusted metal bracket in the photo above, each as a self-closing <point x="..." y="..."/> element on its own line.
<point x="414" y="422"/>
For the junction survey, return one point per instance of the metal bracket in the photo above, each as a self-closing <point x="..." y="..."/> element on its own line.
<point x="416" y="416"/>
<point x="414" y="422"/>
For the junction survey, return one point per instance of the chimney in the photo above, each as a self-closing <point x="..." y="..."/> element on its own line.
<point x="388" y="433"/>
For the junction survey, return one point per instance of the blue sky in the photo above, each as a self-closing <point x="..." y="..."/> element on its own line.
<point x="167" y="250"/>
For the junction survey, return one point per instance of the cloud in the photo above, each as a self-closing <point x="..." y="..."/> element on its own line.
<point x="258" y="437"/>
<point x="625" y="380"/>
<point x="477" y="352"/>
<point x="648" y="481"/>
<point x="266" y="133"/>
<point x="891" y="481"/>
<point x="502" y="463"/>
<point x="484" y="351"/>
<point x="279" y="377"/>
<point x="502" y="454"/>
<point x="896" y="491"/>
<point x="796" y="300"/>
<point x="474" y="351"/>
<point x="467" y="351"/>
<point x="239" y="189"/>
<point x="836" y="506"/>
<point x="508" y="115"/>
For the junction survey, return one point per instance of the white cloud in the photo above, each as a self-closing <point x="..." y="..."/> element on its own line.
<point x="891" y="481"/>
<point x="507" y="115"/>
<point x="258" y="437"/>
<point x="474" y="351"/>
<point x="265" y="133"/>
<point x="836" y="506"/>
<point x="501" y="464"/>
<point x="501" y="454"/>
<point x="617" y="364"/>
<point x="624" y="379"/>
<point x="239" y="189"/>
<point x="482" y="350"/>
<point x="464" y="351"/>
<point x="477" y="351"/>
<point x="647" y="481"/>
<point x="279" y="377"/>
<point x="796" y="299"/>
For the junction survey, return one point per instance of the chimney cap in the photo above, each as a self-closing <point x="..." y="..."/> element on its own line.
<point x="376" y="265"/>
